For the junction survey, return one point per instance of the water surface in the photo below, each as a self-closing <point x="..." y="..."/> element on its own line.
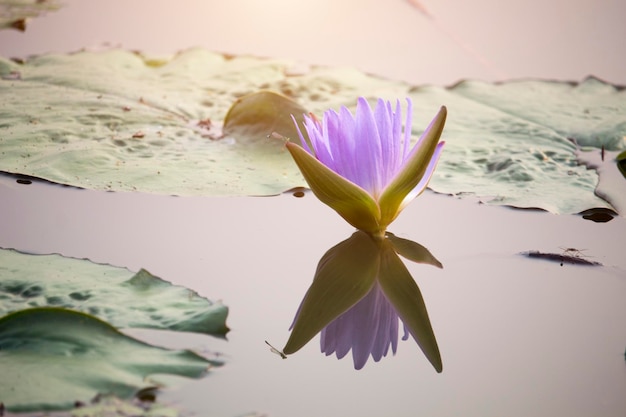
<point x="517" y="336"/>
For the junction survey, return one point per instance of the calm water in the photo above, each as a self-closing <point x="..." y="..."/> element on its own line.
<point x="518" y="337"/>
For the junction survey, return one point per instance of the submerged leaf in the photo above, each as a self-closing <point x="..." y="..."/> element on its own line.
<point x="53" y="357"/>
<point x="113" y="294"/>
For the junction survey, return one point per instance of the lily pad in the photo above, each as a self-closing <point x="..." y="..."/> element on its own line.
<point x="515" y="143"/>
<point x="117" y="120"/>
<point x="116" y="295"/>
<point x="52" y="358"/>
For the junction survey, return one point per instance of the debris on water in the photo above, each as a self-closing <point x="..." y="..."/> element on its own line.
<point x="599" y="215"/>
<point x="570" y="256"/>
<point x="298" y="192"/>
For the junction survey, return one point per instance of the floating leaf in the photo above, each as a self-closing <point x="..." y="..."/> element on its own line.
<point x="118" y="121"/>
<point x="53" y="357"/>
<point x="611" y="185"/>
<point x="256" y="116"/>
<point x="113" y="294"/>
<point x="515" y="143"/>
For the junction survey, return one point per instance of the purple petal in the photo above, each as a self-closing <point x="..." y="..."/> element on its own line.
<point x="388" y="143"/>
<point x="367" y="152"/>
<point x="305" y="143"/>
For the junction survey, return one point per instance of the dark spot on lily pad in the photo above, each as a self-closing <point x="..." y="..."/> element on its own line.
<point x="55" y="301"/>
<point x="80" y="296"/>
<point x="13" y="288"/>
<point x="34" y="291"/>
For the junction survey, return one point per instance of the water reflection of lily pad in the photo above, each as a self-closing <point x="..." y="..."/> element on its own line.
<point x="116" y="295"/>
<point x="119" y="121"/>
<point x="52" y="358"/>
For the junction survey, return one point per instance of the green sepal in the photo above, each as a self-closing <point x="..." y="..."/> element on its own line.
<point x="344" y="275"/>
<point x="405" y="296"/>
<point x="406" y="180"/>
<point x="352" y="202"/>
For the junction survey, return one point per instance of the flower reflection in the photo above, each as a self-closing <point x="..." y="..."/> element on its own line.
<point x="368" y="327"/>
<point x="360" y="291"/>
<point x="362" y="165"/>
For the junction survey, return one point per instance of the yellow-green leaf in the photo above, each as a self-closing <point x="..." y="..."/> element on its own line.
<point x="413" y="171"/>
<point x="257" y="115"/>
<point x="348" y="199"/>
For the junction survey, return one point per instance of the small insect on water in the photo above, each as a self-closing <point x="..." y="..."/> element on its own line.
<point x="573" y="252"/>
<point x="276" y="135"/>
<point x="568" y="255"/>
<point x="575" y="256"/>
<point x="276" y="351"/>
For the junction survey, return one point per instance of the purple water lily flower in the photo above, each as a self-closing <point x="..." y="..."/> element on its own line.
<point x="363" y="165"/>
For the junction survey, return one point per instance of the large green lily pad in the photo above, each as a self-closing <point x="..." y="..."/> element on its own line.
<point x="117" y="120"/>
<point x="116" y="295"/>
<point x="52" y="358"/>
